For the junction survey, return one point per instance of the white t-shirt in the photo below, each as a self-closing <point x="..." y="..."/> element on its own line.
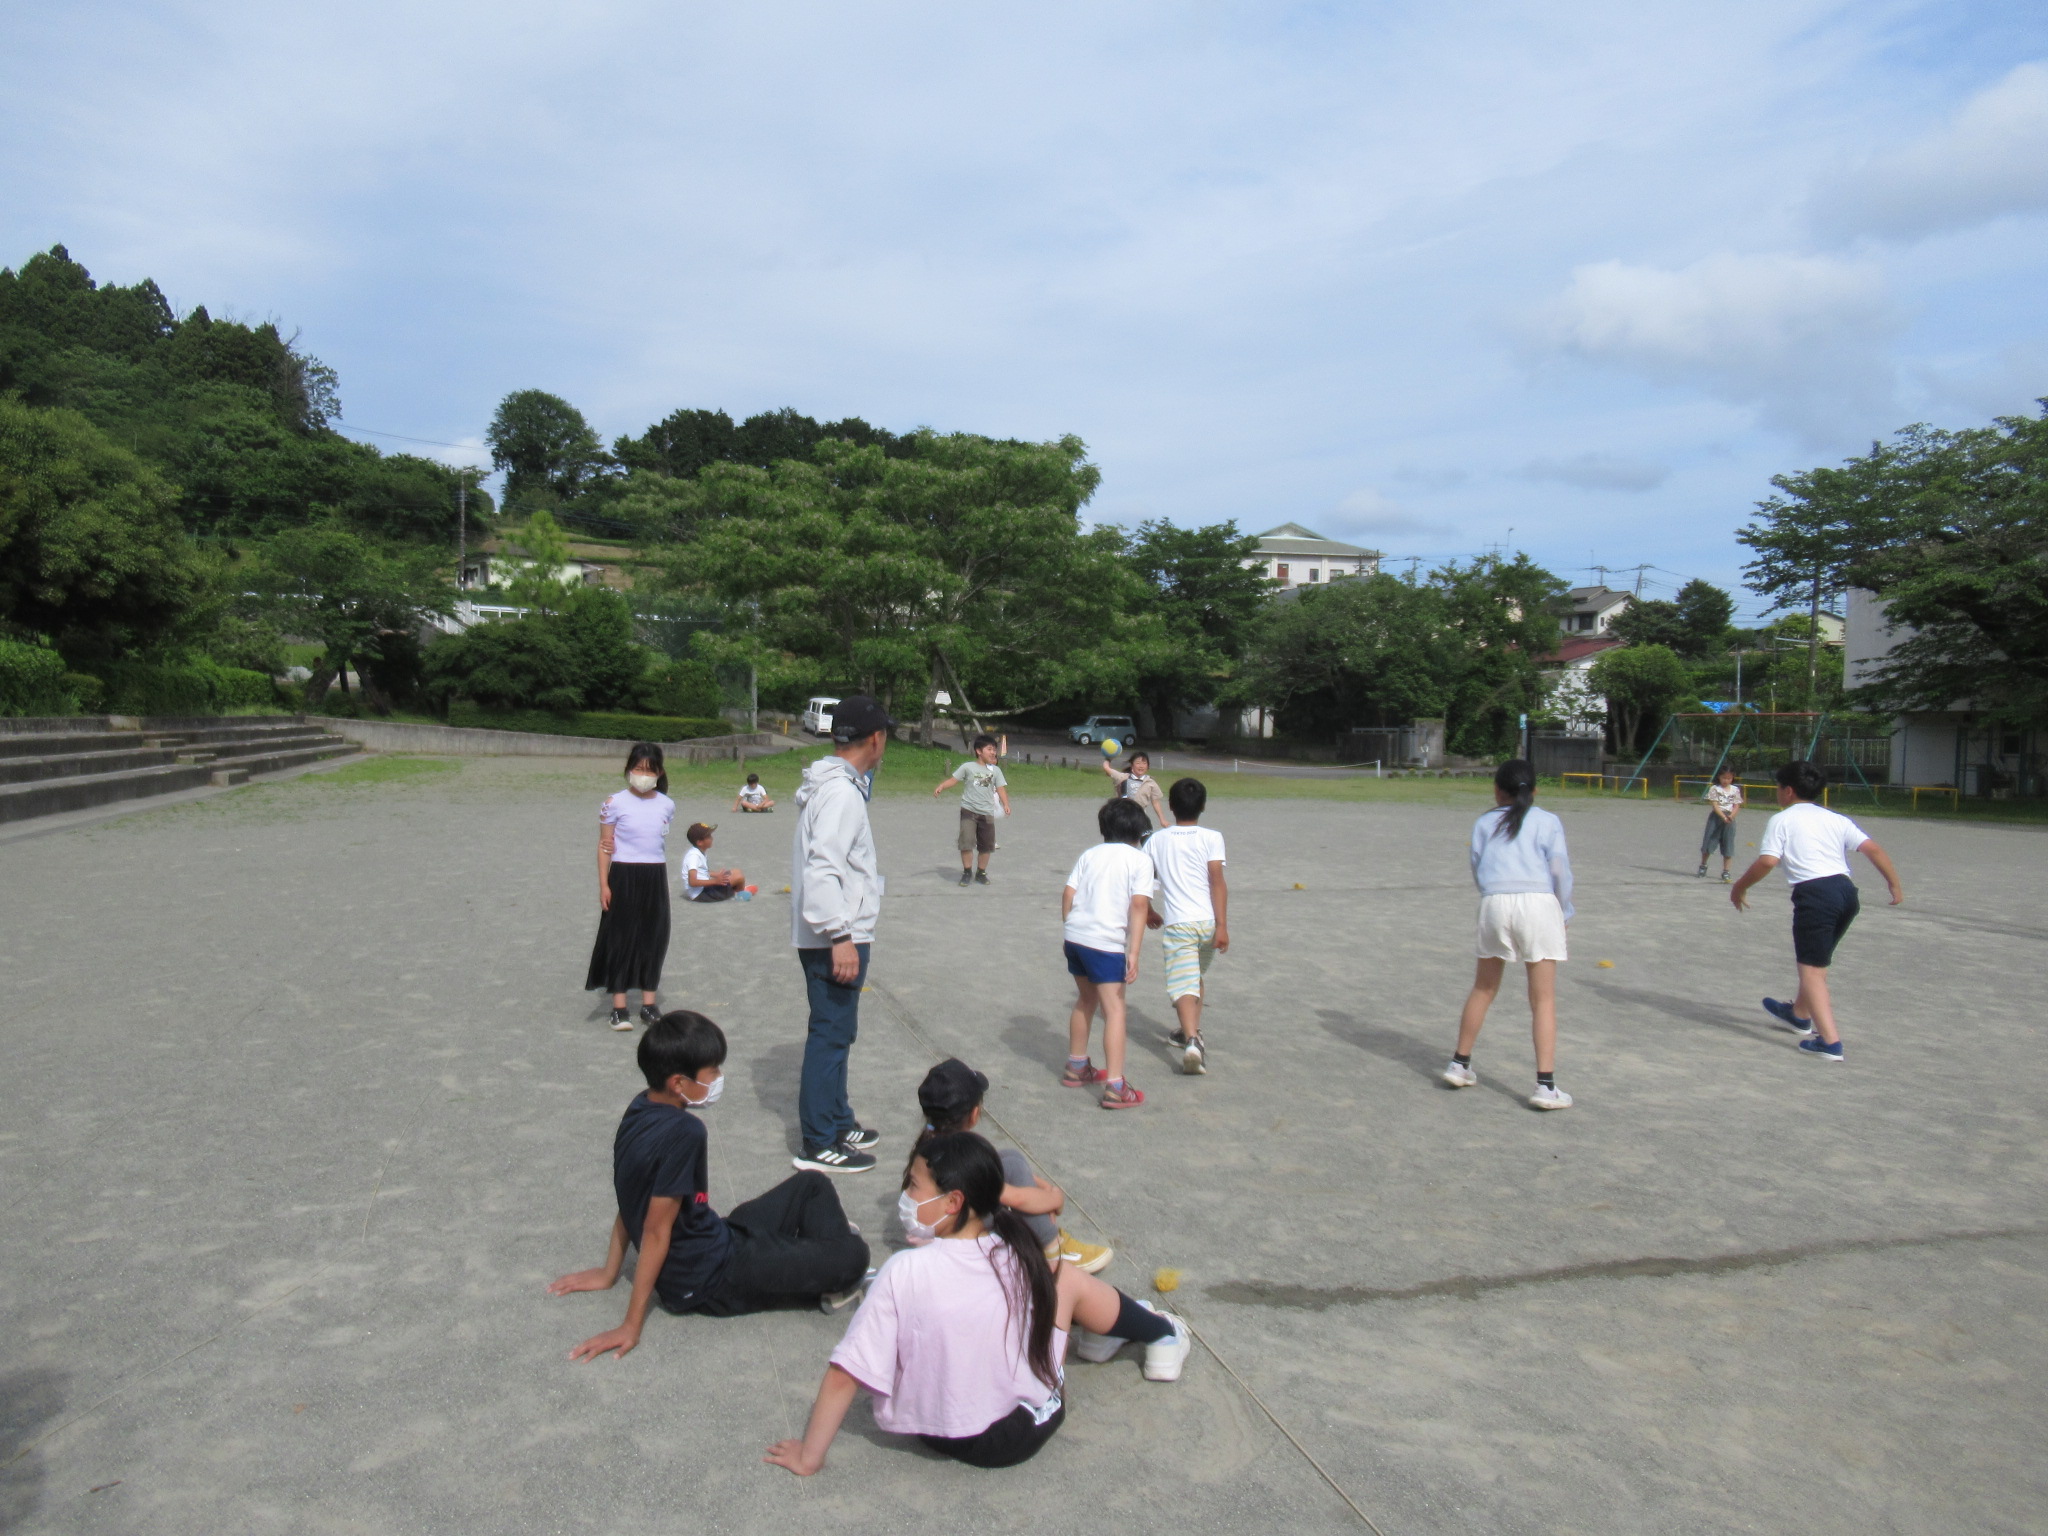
<point x="935" y="1343"/>
<point x="753" y="794"/>
<point x="1181" y="857"/>
<point x="639" y="827"/>
<point x="1724" y="797"/>
<point x="694" y="860"/>
<point x="1105" y="878"/>
<point x="1810" y="841"/>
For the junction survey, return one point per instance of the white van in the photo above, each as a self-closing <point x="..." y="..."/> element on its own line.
<point x="818" y="716"/>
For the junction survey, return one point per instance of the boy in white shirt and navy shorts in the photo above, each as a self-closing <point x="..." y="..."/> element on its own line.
<point x="1814" y="844"/>
<point x="1188" y="860"/>
<point x="1103" y="912"/>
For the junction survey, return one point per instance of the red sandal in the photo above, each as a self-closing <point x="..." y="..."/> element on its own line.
<point x="1089" y="1074"/>
<point x="1126" y="1097"/>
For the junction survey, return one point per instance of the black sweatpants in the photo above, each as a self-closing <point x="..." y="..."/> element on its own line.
<point x="789" y="1247"/>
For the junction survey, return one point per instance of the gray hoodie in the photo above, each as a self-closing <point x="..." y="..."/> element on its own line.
<point x="835" y="884"/>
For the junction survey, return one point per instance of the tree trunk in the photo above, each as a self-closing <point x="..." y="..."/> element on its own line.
<point x="924" y="724"/>
<point x="966" y="704"/>
<point x="321" y="680"/>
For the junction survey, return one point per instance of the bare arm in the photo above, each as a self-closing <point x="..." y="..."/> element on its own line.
<point x="1219" y="898"/>
<point x="1040" y="1199"/>
<point x="1871" y="851"/>
<point x="807" y="1456"/>
<point x="654" y="1239"/>
<point x="1003" y="794"/>
<point x="1763" y="866"/>
<point x="606" y="1275"/>
<point x="1134" y="931"/>
<point x="605" y="836"/>
<point x="1066" y="903"/>
<point x="944" y="785"/>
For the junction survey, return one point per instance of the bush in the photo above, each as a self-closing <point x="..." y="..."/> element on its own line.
<point x="687" y="688"/>
<point x="512" y="664"/>
<point x="201" y="687"/>
<point x="87" y="692"/>
<point x="32" y="681"/>
<point x="589" y="723"/>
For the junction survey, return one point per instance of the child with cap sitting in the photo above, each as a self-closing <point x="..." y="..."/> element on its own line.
<point x="700" y="881"/>
<point x="950" y="1097"/>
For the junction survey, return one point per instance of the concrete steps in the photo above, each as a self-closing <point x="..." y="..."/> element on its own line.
<point x="52" y="766"/>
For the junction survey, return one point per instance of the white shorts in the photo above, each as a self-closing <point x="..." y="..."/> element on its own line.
<point x="1524" y="925"/>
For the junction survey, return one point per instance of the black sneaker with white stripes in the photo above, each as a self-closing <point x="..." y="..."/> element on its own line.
<point x="837" y="1158"/>
<point x="860" y="1138"/>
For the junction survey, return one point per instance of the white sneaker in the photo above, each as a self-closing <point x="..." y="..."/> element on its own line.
<point x="1546" y="1097"/>
<point x="1094" y="1347"/>
<point x="1164" y="1359"/>
<point x="1194" y="1061"/>
<point x="1459" y="1074"/>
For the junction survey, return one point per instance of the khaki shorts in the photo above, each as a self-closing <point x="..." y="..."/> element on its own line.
<point x="977" y="832"/>
<point x="1525" y="925"/>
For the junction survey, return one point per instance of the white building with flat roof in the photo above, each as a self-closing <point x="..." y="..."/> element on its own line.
<point x="1296" y="556"/>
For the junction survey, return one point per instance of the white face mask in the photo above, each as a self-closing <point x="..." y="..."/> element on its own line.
<point x="643" y="783"/>
<point x="712" y="1094"/>
<point x="906" y="1212"/>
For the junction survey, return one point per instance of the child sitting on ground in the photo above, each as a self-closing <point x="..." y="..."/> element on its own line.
<point x="1188" y="859"/>
<point x="1104" y="906"/>
<point x="950" y="1097"/>
<point x="792" y="1247"/>
<point x="753" y="796"/>
<point x="960" y="1338"/>
<point x="700" y="881"/>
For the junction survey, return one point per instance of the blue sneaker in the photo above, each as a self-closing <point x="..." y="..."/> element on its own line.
<point x="1813" y="1045"/>
<point x="1783" y="1013"/>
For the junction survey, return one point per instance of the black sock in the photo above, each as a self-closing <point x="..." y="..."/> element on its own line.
<point x="1139" y="1324"/>
<point x="1546" y="1079"/>
<point x="1464" y="1060"/>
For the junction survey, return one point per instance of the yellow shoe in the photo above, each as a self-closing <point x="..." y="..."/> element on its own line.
<point x="1089" y="1258"/>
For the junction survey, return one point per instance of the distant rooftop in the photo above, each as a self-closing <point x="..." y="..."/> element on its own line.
<point x="1293" y="539"/>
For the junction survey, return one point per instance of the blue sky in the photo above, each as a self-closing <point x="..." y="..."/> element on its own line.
<point x="1577" y="278"/>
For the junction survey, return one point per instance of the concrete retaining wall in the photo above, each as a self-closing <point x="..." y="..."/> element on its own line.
<point x="468" y="741"/>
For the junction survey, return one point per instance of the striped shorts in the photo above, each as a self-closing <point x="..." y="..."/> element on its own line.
<point x="1189" y="948"/>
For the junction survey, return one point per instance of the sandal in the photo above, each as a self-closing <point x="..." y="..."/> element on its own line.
<point x="1087" y="1075"/>
<point x="1125" y="1098"/>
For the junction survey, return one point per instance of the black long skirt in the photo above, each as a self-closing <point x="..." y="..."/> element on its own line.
<point x="632" y="938"/>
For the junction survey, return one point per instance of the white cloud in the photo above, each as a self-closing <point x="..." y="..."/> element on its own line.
<point x="1990" y="159"/>
<point x="1368" y="512"/>
<point x="1802" y="339"/>
<point x="1599" y="472"/>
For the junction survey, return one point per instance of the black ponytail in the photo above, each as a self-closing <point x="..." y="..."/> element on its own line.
<point x="1516" y="779"/>
<point x="964" y="1161"/>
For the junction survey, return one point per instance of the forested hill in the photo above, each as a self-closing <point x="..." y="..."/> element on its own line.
<point x="234" y="416"/>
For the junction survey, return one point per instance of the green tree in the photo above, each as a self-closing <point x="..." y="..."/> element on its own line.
<point x="91" y="550"/>
<point x="353" y="594"/>
<point x="512" y="664"/>
<point x="597" y="628"/>
<point x="1208" y="602"/>
<point x="539" y="584"/>
<point x="1639" y="682"/>
<point x="548" y="451"/>
<point x="1695" y="625"/>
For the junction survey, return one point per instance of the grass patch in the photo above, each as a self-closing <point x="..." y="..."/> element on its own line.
<point x="394" y="769"/>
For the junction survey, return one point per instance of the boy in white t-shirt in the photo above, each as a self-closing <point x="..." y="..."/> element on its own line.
<point x="1814" y="845"/>
<point x="1193" y="920"/>
<point x="700" y="881"/>
<point x="753" y="796"/>
<point x="1103" y="908"/>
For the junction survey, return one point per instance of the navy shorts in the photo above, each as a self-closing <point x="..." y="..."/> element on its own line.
<point x="1101" y="966"/>
<point x="1822" y="911"/>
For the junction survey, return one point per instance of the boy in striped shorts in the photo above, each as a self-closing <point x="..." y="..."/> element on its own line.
<point x="1188" y="861"/>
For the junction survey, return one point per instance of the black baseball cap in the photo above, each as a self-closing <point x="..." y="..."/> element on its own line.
<point x="859" y="716"/>
<point x="949" y="1091"/>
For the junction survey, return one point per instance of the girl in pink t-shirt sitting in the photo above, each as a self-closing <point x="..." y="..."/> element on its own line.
<point x="937" y="1341"/>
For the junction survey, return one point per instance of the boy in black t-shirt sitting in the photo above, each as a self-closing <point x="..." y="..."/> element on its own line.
<point x="792" y="1246"/>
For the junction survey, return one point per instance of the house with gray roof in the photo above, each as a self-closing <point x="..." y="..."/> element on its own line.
<point x="1296" y="556"/>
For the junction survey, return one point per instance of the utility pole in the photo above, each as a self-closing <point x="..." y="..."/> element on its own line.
<point x="461" y="525"/>
<point x="1813" y="644"/>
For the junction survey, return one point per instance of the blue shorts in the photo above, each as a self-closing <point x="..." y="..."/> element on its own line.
<point x="1101" y="966"/>
<point x="1822" y="911"/>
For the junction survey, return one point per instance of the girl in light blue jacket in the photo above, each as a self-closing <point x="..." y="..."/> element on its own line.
<point x="1524" y="877"/>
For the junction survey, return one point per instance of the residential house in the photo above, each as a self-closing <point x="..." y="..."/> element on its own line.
<point x="1569" y="673"/>
<point x="1593" y="610"/>
<point x="1296" y="556"/>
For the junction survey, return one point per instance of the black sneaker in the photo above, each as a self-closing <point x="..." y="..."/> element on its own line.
<point x="981" y="877"/>
<point x="966" y="875"/>
<point x="860" y="1138"/>
<point x="649" y="1015"/>
<point x="837" y="1158"/>
<point x="621" y="1019"/>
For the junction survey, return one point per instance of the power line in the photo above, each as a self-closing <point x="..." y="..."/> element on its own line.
<point x="432" y="442"/>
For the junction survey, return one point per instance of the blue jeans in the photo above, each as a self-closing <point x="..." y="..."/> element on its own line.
<point x="822" y="1113"/>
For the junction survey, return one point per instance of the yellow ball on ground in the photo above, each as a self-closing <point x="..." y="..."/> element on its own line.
<point x="1165" y="1279"/>
<point x="1606" y="965"/>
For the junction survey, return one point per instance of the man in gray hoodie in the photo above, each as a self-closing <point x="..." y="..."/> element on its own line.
<point x="835" y="894"/>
